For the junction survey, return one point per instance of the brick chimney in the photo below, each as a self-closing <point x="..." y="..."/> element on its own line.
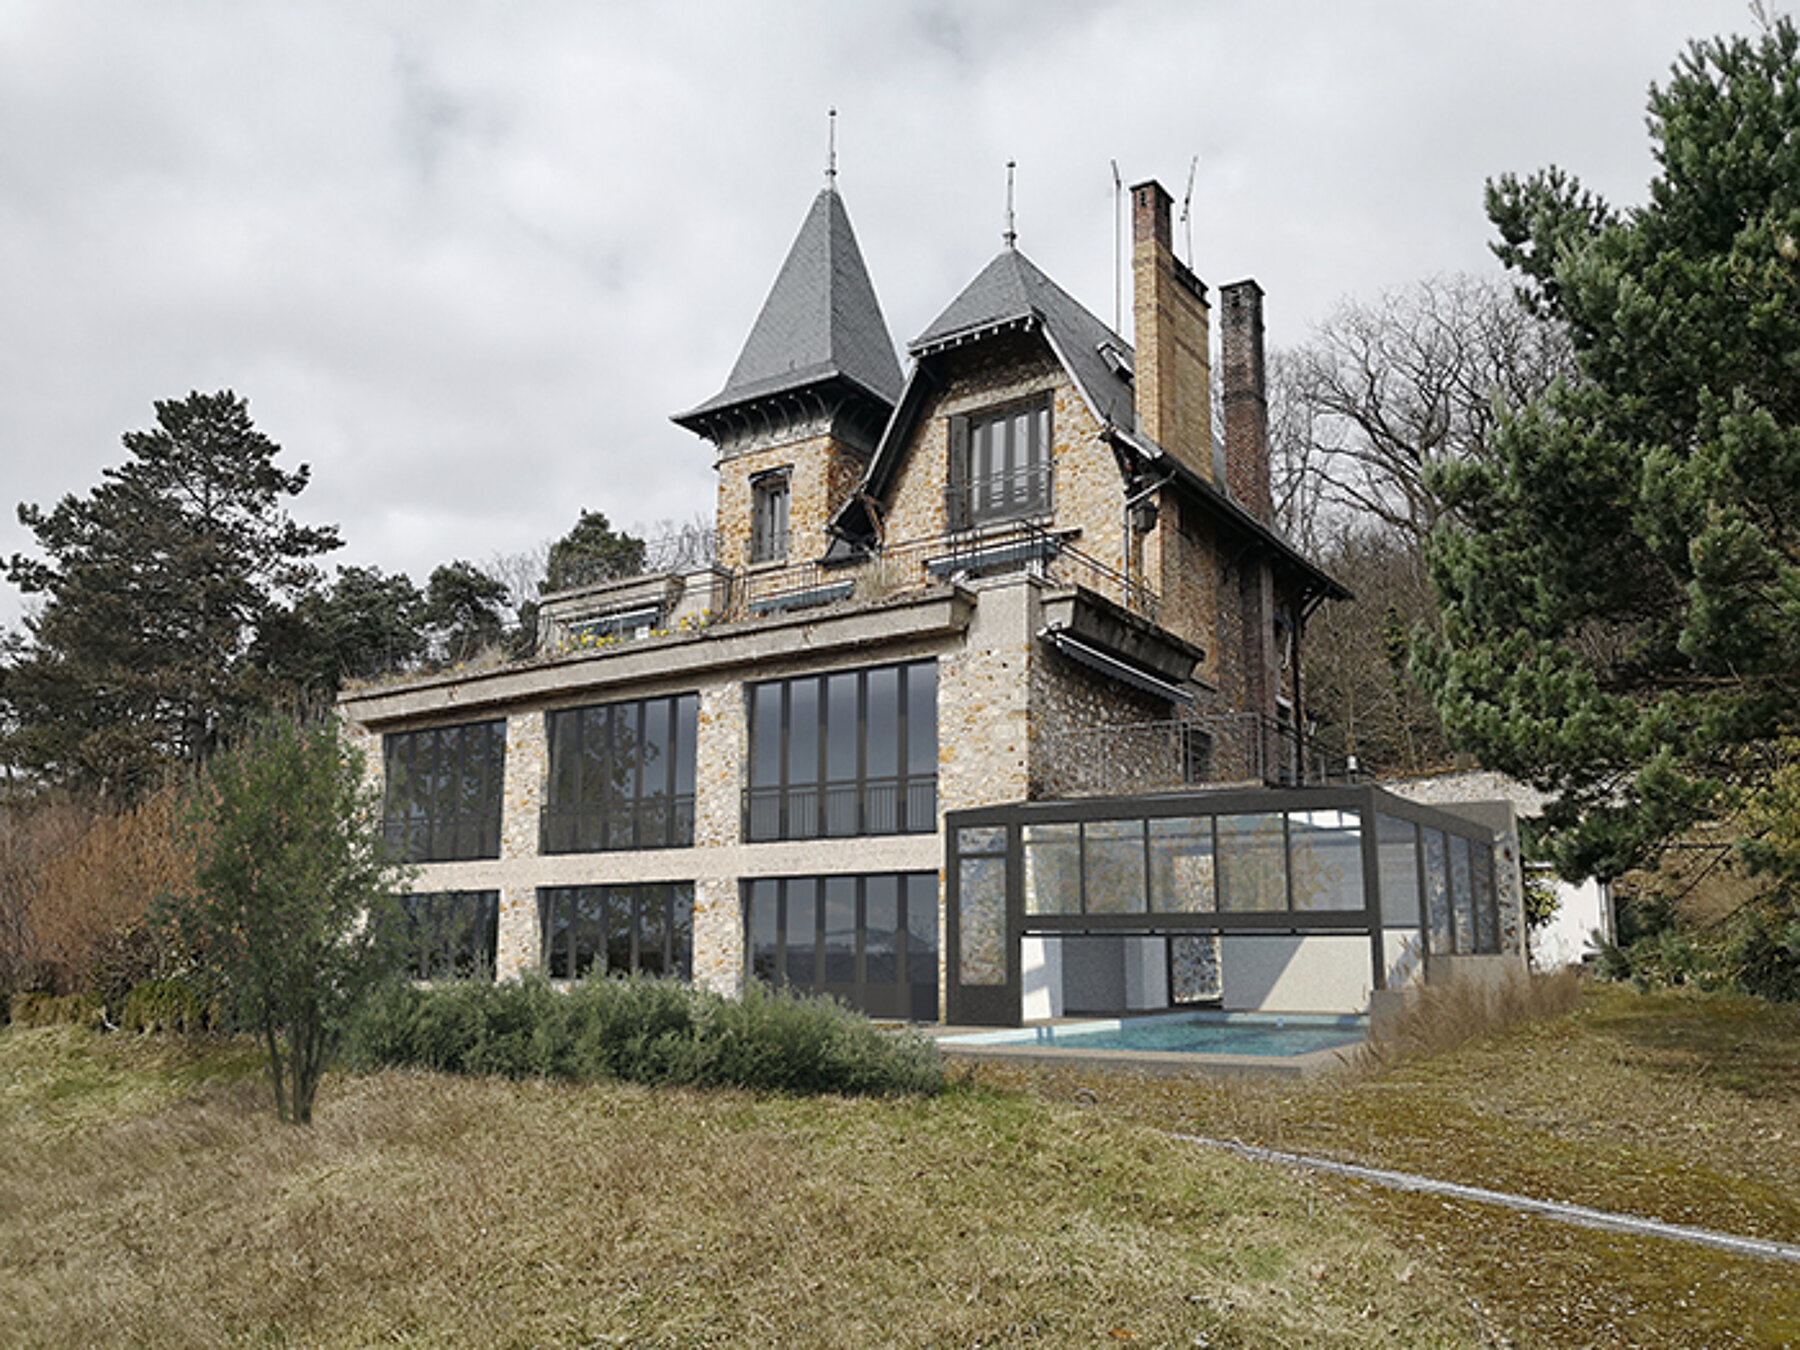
<point x="1246" y="400"/>
<point x="1169" y="318"/>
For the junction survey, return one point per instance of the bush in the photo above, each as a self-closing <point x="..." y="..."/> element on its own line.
<point x="1766" y="958"/>
<point x="171" y="1003"/>
<point x="642" y="1031"/>
<point x="48" y="1010"/>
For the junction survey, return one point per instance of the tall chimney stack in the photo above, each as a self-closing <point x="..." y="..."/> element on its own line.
<point x="1169" y="318"/>
<point x="1246" y="400"/>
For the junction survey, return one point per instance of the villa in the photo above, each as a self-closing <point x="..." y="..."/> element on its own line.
<point x="987" y="708"/>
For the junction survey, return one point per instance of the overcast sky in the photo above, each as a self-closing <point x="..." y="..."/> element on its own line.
<point x="465" y="259"/>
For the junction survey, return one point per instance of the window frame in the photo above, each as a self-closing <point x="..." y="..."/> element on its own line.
<point x="431" y="811"/>
<point x="804" y="780"/>
<point x="421" y="950"/>
<point x="981" y="492"/>
<point x="676" y="954"/>
<point x="771" y="515"/>
<point x="609" y="816"/>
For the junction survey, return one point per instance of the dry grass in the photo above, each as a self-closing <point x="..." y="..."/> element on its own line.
<point x="1440" y="1017"/>
<point x="151" y="1199"/>
<point x="1675" y="1106"/>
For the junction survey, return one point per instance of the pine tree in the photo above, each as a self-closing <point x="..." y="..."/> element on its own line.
<point x="1622" y="590"/>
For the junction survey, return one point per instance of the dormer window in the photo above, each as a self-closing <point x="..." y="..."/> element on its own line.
<point x="769" y="494"/>
<point x="1000" y="465"/>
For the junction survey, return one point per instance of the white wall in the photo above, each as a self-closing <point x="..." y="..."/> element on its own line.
<point x="1327" y="973"/>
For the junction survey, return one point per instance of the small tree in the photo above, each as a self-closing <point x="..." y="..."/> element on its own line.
<point x="291" y="907"/>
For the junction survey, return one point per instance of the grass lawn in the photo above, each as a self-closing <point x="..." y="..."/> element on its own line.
<point x="150" y="1198"/>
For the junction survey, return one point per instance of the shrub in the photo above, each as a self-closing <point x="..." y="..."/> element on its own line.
<point x="48" y="1010"/>
<point x="1765" y="956"/>
<point x="643" y="1031"/>
<point x="170" y="1003"/>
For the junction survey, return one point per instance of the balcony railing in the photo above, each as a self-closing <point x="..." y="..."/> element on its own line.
<point x="1110" y="761"/>
<point x="841" y="810"/>
<point x="1019" y="546"/>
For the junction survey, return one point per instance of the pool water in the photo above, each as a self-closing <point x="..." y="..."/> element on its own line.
<point x="1200" y="1033"/>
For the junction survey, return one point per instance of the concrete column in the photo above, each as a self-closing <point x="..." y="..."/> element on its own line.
<point x="721" y="745"/>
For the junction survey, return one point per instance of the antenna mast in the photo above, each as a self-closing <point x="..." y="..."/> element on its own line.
<point x="831" y="149"/>
<point x="1118" y="251"/>
<point x="1011" y="236"/>
<point x="1187" y="201"/>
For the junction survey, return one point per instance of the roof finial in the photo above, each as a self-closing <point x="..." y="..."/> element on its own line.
<point x="831" y="151"/>
<point x="1011" y="237"/>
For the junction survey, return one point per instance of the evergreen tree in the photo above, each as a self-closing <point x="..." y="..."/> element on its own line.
<point x="592" y="551"/>
<point x="1622" y="590"/>
<point x="155" y="586"/>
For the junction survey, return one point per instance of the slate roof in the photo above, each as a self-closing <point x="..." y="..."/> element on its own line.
<point x="1012" y="289"/>
<point x="821" y="322"/>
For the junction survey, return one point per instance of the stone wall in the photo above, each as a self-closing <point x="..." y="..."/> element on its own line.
<point x="822" y="472"/>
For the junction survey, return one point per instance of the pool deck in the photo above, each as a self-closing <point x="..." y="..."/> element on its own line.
<point x="1149" y="1063"/>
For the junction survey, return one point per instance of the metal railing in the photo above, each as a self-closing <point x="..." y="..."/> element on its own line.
<point x="1019" y="546"/>
<point x="1139" y="757"/>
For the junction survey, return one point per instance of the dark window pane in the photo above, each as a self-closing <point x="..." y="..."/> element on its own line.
<point x="1462" y="894"/>
<point x="881" y="929"/>
<point x="1437" y="891"/>
<point x="802" y="934"/>
<point x="587" y="928"/>
<point x="922" y="929"/>
<point x="653" y="930"/>
<point x="883" y="722"/>
<point x="765" y="735"/>
<point x="840" y="930"/>
<point x="921" y="722"/>
<point x="681" y="931"/>
<point x="764" y="924"/>
<point x="618" y="929"/>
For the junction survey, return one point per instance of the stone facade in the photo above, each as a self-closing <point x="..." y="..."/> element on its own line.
<point x="1086" y="617"/>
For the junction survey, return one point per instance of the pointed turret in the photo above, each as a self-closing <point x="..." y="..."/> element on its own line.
<point x="804" y="405"/>
<point x="820" y="325"/>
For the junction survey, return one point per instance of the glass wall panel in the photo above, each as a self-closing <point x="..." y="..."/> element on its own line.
<point x="1194" y="968"/>
<point x="802" y="932"/>
<point x="1052" y="868"/>
<point x="1437" y="891"/>
<point x="922" y="931"/>
<point x="764" y="921"/>
<point x="1325" y="859"/>
<point x="441" y="799"/>
<point x="982" y="914"/>
<point x="1181" y="866"/>
<point x="450" y="935"/>
<point x="840" y="930"/>
<point x="1462" y="894"/>
<point x="1397" y="841"/>
<point x="621" y="775"/>
<point x="881" y="929"/>
<point x="826" y="754"/>
<point x="1252" y="863"/>
<point x="597" y="930"/>
<point x="1487" y="914"/>
<point x="867" y="940"/>
<point x="1113" y="866"/>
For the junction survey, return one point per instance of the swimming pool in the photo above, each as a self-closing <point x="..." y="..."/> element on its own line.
<point x="1190" y="1033"/>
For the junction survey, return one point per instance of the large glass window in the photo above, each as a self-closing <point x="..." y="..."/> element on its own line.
<point x="1181" y="865"/>
<point x="619" y="930"/>
<point x="441" y="800"/>
<point x="1000" y="464"/>
<point x="1052" y="868"/>
<point x="621" y="775"/>
<point x="871" y="941"/>
<point x="450" y="935"/>
<point x="1252" y="862"/>
<point x="844" y="754"/>
<point x="1398" y="846"/>
<point x="1462" y="894"/>
<point x="1437" y="891"/>
<point x="1325" y="859"/>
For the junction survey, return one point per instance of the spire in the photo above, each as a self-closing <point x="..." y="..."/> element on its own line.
<point x="821" y="321"/>
<point x="1011" y="237"/>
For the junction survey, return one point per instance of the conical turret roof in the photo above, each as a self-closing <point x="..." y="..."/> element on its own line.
<point x="821" y="322"/>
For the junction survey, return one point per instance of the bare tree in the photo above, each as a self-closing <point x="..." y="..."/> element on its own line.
<point x="1381" y="392"/>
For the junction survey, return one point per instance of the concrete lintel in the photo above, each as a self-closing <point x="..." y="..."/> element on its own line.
<point x="743" y="644"/>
